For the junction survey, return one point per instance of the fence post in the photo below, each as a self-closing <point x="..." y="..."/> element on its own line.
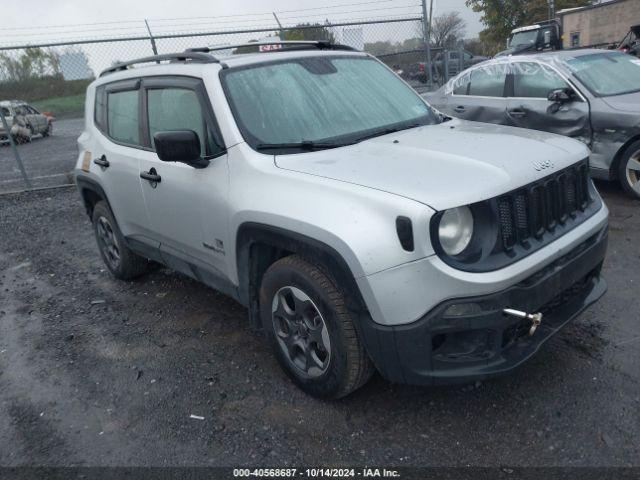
<point x="5" y="125"/>
<point x="153" y="40"/>
<point x="426" y="36"/>
<point x="445" y="65"/>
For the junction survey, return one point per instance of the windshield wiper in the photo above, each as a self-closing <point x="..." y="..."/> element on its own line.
<point x="387" y="131"/>
<point x="304" y="145"/>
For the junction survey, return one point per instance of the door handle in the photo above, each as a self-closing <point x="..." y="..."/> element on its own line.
<point x="152" y="177"/>
<point x="102" y="161"/>
<point x="460" y="109"/>
<point x="517" y="112"/>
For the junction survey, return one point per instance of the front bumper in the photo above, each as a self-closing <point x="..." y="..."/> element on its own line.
<point x="474" y="339"/>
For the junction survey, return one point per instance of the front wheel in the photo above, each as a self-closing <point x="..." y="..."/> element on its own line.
<point x="629" y="170"/>
<point x="48" y="131"/>
<point x="123" y="263"/>
<point x="311" y="331"/>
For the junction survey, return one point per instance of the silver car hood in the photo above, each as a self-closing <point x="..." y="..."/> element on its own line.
<point x="629" y="102"/>
<point x="446" y="165"/>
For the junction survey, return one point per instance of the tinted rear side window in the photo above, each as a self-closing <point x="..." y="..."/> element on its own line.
<point x="488" y="81"/>
<point x="122" y="116"/>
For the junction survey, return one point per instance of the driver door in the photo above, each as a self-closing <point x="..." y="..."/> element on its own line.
<point x="529" y="107"/>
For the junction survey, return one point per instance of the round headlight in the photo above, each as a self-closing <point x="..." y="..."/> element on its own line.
<point x="455" y="230"/>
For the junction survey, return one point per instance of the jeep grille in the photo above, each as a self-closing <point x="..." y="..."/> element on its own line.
<point x="543" y="205"/>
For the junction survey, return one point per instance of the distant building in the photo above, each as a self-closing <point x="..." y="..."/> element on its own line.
<point x="75" y="66"/>
<point x="602" y="23"/>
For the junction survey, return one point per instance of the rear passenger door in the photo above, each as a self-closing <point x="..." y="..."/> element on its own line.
<point x="188" y="207"/>
<point x="116" y="148"/>
<point x="529" y="107"/>
<point x="479" y="94"/>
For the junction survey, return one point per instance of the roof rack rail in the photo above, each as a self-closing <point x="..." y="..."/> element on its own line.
<point x="188" y="56"/>
<point x="288" y="44"/>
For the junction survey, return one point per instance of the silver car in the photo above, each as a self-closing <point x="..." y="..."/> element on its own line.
<point x="590" y="95"/>
<point x="361" y="231"/>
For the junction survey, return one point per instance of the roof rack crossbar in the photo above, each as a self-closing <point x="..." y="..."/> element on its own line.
<point x="296" y="44"/>
<point x="195" y="57"/>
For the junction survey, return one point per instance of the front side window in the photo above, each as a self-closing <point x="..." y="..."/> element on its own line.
<point x="534" y="80"/>
<point x="320" y="99"/>
<point x="610" y="73"/>
<point x="122" y="116"/>
<point x="488" y="81"/>
<point x="176" y="109"/>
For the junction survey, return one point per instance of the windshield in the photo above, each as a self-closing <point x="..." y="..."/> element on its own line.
<point x="321" y="100"/>
<point x="527" y="37"/>
<point x="605" y="74"/>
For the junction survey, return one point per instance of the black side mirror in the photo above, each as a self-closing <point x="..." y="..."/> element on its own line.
<point x="179" y="146"/>
<point x="561" y="95"/>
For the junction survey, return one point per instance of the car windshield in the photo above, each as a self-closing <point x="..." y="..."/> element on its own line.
<point x="605" y="74"/>
<point x="524" y="38"/>
<point x="320" y="100"/>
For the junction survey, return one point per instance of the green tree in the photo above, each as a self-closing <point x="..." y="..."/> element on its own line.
<point x="501" y="16"/>
<point x="32" y="63"/>
<point x="308" y="31"/>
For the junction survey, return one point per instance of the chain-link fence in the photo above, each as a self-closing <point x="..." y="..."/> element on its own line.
<point x="42" y="87"/>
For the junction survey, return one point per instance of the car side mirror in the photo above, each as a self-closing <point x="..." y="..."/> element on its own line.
<point x="561" y="95"/>
<point x="179" y="146"/>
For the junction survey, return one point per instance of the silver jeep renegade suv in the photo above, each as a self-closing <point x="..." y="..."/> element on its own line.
<point x="362" y="230"/>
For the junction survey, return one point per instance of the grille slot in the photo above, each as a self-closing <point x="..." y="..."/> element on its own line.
<point x="542" y="206"/>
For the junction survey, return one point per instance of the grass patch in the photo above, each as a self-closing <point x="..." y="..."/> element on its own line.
<point x="62" y="107"/>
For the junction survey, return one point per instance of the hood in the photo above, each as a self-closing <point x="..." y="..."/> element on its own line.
<point x="445" y="165"/>
<point x="629" y="102"/>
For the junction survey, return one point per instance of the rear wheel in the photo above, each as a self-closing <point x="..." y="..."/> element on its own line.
<point x="119" y="259"/>
<point x="48" y="131"/>
<point x="629" y="170"/>
<point x="311" y="331"/>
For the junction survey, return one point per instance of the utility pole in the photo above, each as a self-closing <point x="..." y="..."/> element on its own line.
<point x="552" y="9"/>
<point x="426" y="36"/>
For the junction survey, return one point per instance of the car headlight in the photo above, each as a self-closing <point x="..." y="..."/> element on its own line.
<point x="455" y="230"/>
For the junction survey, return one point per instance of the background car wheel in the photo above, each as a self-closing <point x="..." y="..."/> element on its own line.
<point x="48" y="131"/>
<point x="629" y="170"/>
<point x="311" y="330"/>
<point x="119" y="259"/>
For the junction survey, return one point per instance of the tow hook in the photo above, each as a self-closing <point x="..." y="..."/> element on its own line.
<point x="536" y="318"/>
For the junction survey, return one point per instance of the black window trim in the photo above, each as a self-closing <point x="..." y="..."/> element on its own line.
<point x="141" y="85"/>
<point x="187" y="83"/>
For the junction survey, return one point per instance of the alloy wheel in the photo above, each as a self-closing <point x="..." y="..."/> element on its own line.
<point x="301" y="332"/>
<point x="108" y="243"/>
<point x="633" y="172"/>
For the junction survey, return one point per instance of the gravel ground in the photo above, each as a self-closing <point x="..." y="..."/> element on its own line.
<point x="95" y="371"/>
<point x="47" y="161"/>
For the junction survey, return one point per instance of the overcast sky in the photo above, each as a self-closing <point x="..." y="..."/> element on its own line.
<point x="19" y="25"/>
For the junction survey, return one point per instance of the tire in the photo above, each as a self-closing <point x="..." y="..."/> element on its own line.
<point x="48" y="131"/>
<point x="119" y="259"/>
<point x="311" y="317"/>
<point x="629" y="170"/>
